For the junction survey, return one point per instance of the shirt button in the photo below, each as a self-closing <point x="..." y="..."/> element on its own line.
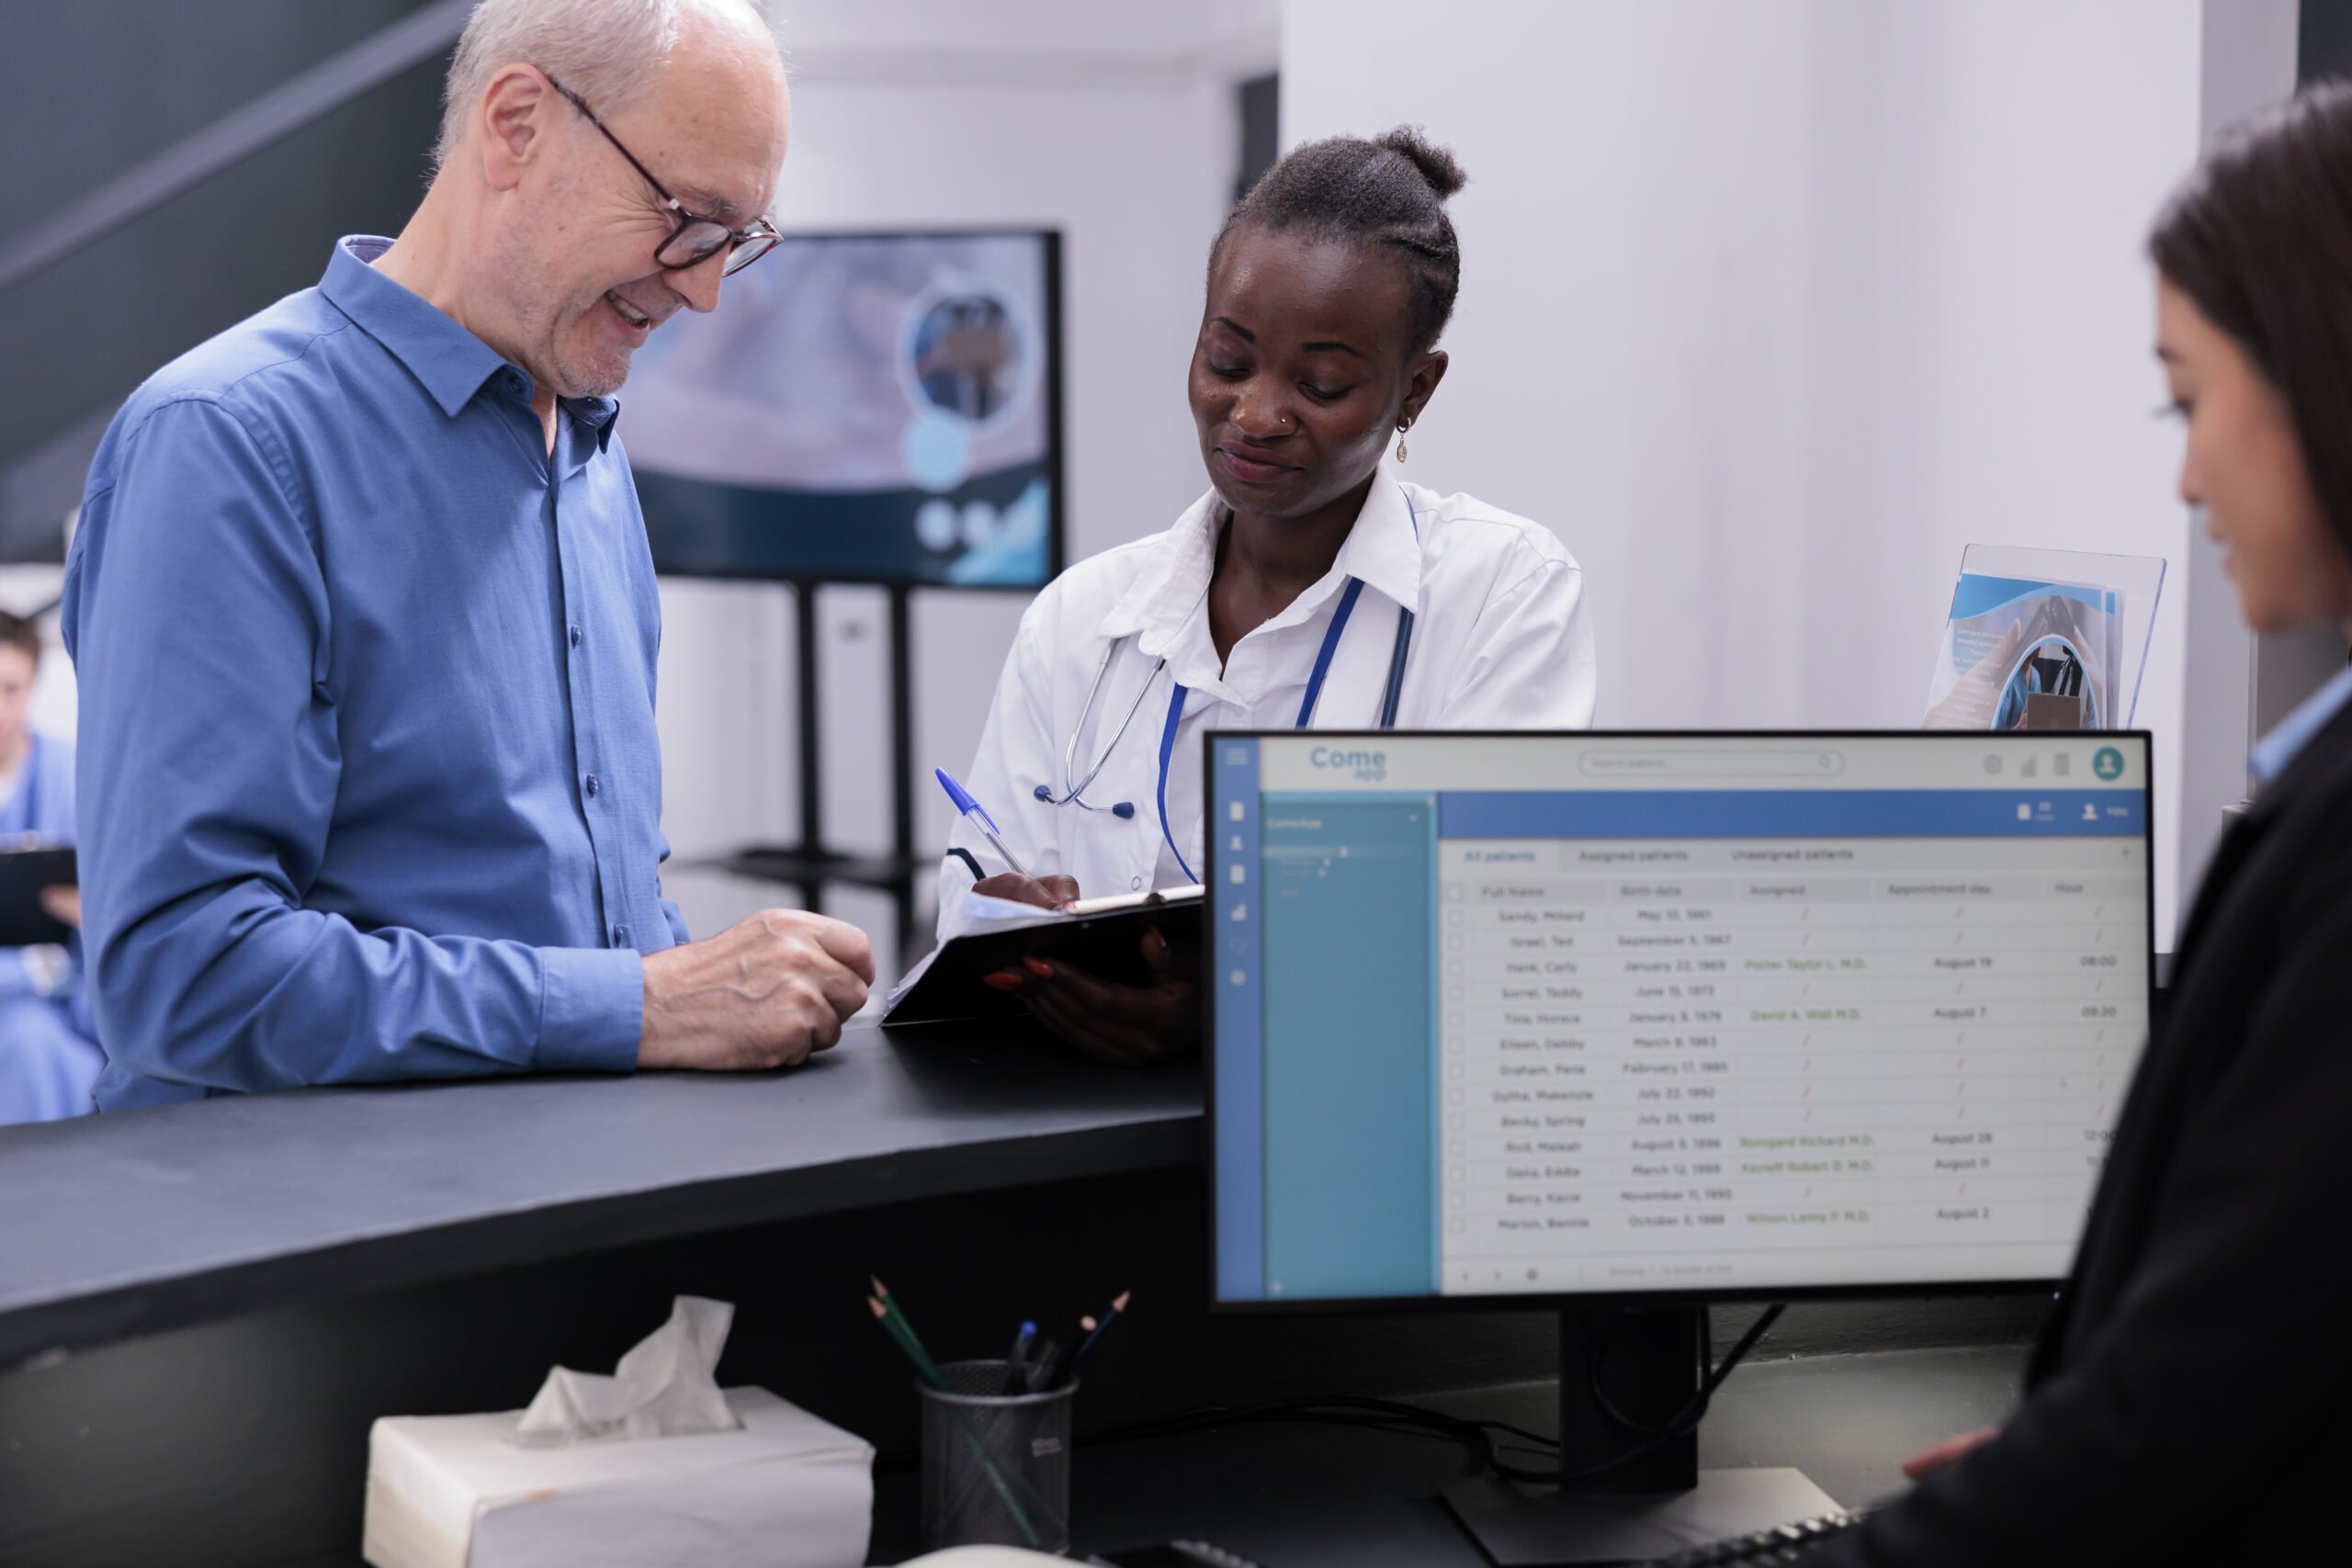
<point x="575" y="636"/>
<point x="620" y="936"/>
<point x="514" y="384"/>
<point x="592" y="784"/>
<point x="1136" y="882"/>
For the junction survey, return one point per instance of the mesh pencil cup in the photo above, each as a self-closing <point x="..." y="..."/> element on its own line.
<point x="995" y="1466"/>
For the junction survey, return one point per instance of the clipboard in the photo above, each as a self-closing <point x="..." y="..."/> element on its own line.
<point x="1101" y="936"/>
<point x="23" y="874"/>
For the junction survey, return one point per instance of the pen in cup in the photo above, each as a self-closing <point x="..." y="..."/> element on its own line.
<point x="1044" y="1366"/>
<point x="1016" y="1362"/>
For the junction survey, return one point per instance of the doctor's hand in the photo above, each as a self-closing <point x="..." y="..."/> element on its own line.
<point x="1128" y="1024"/>
<point x="1046" y="892"/>
<point x="760" y="994"/>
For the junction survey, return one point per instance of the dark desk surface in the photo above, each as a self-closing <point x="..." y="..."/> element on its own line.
<point x="1303" y="1497"/>
<point x="121" y="1225"/>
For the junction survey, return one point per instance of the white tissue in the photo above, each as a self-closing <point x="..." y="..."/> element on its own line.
<point x="664" y="1387"/>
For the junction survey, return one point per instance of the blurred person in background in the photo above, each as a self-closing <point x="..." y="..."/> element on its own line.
<point x="49" y="1046"/>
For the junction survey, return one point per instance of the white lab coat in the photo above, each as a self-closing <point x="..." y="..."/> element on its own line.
<point x="1501" y="640"/>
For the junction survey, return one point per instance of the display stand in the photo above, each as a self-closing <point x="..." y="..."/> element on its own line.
<point x="2044" y="639"/>
<point x="1625" y="1372"/>
<point x="808" y="866"/>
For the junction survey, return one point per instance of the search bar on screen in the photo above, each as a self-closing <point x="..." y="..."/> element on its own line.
<point x="1726" y="764"/>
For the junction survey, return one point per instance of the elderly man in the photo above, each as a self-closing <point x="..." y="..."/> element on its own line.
<point x="365" y="626"/>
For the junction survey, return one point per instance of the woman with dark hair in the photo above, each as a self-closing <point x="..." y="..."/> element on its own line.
<point x="1307" y="588"/>
<point x="2190" y="1401"/>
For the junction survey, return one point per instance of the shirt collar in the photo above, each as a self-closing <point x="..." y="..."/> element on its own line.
<point x="1383" y="550"/>
<point x="449" y="362"/>
<point x="1175" y="575"/>
<point x="2291" y="735"/>
<point x="601" y="416"/>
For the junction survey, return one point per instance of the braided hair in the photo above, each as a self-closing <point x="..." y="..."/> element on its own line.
<point x="1389" y="192"/>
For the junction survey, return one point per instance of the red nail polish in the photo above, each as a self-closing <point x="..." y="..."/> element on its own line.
<point x="1004" y="980"/>
<point x="1038" y="968"/>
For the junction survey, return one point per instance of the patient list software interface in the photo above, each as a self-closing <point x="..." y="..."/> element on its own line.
<point x="1544" y="1014"/>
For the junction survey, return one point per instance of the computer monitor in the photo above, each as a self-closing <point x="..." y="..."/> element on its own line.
<point x="861" y="408"/>
<point x="1608" y="1019"/>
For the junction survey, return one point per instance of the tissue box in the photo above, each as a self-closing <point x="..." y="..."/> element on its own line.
<point x="787" y="1491"/>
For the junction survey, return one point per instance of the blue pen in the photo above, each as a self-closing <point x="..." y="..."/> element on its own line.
<point x="1016" y="1365"/>
<point x="975" y="813"/>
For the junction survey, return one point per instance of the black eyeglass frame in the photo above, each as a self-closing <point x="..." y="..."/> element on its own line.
<point x="746" y="246"/>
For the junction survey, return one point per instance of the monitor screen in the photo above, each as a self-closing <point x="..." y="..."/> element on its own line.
<point x="1652" y="1015"/>
<point x="861" y="408"/>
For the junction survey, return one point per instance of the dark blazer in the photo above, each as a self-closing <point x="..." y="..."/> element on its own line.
<point x="2190" y="1401"/>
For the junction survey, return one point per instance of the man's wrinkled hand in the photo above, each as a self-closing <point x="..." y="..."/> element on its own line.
<point x="762" y="994"/>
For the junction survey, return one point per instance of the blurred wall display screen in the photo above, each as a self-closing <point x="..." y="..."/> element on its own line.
<point x="861" y="408"/>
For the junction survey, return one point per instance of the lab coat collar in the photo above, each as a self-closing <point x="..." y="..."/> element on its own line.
<point x="1383" y="550"/>
<point x="1174" y="575"/>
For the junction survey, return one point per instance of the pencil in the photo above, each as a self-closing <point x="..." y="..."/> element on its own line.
<point x="1096" y="1330"/>
<point x="898" y="1315"/>
<point x="907" y="1347"/>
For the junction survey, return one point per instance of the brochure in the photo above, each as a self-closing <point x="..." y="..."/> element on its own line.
<point x="2044" y="639"/>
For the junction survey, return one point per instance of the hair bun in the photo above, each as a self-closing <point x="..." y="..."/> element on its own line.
<point x="1435" y="163"/>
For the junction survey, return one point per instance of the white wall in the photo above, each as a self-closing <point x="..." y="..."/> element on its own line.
<point x="1768" y="309"/>
<point x="1116" y="124"/>
<point x="2250" y="48"/>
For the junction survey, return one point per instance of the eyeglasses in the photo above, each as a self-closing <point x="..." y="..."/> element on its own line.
<point x="697" y="238"/>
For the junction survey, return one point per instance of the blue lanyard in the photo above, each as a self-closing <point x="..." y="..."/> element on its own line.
<point x="1390" y="692"/>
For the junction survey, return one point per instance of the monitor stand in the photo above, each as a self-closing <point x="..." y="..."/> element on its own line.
<point x="1648" y="1363"/>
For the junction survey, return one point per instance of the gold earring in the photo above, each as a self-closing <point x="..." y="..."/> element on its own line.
<point x="1400" y="441"/>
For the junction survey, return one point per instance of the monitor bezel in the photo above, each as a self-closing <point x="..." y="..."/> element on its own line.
<point x="1057" y="457"/>
<point x="1563" y="1301"/>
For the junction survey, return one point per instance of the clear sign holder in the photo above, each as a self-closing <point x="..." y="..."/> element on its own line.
<point x="2044" y="639"/>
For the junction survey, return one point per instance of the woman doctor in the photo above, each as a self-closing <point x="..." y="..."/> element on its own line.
<point x="1308" y="589"/>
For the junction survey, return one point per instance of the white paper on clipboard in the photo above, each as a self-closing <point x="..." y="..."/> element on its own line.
<point x="976" y="914"/>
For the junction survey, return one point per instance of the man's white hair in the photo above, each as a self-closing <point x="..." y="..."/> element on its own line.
<point x="608" y="51"/>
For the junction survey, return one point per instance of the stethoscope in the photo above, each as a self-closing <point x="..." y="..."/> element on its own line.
<point x="1073" y="789"/>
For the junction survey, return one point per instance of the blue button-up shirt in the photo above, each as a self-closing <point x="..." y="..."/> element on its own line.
<point x="369" y="784"/>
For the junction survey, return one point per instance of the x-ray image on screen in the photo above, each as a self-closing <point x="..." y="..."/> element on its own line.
<point x="874" y="407"/>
